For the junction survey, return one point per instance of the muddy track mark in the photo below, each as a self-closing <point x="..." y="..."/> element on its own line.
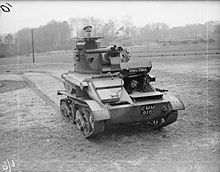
<point x="48" y="74"/>
<point x="55" y="77"/>
<point x="41" y="94"/>
<point x="47" y="99"/>
<point x="30" y="71"/>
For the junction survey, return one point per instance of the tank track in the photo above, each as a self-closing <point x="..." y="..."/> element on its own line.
<point x="167" y="120"/>
<point x="80" y="116"/>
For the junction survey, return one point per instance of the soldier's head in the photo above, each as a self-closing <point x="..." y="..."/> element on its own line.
<point x="134" y="84"/>
<point x="88" y="30"/>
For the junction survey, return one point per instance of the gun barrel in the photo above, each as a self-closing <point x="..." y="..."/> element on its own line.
<point x="100" y="50"/>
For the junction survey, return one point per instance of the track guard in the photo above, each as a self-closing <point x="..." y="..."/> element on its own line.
<point x="175" y="103"/>
<point x="100" y="112"/>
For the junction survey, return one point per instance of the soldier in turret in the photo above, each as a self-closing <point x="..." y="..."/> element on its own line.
<point x="88" y="30"/>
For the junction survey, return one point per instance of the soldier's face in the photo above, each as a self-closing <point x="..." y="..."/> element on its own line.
<point x="88" y="33"/>
<point x="133" y="84"/>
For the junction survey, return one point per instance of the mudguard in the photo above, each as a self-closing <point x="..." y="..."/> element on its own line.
<point x="175" y="103"/>
<point x="100" y="112"/>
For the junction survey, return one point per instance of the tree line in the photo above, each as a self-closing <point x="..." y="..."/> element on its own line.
<point x="56" y="35"/>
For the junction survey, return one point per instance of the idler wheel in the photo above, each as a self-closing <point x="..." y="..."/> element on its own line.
<point x="65" y="111"/>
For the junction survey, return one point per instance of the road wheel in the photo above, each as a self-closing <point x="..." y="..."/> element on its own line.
<point x="84" y="122"/>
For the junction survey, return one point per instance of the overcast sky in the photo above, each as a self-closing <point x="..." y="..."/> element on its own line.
<point x="36" y="13"/>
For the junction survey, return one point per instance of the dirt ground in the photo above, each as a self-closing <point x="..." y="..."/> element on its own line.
<point x="35" y="137"/>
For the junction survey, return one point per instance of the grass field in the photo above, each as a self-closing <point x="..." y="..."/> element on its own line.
<point x="34" y="136"/>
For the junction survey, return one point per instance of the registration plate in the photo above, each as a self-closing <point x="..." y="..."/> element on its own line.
<point x="147" y="109"/>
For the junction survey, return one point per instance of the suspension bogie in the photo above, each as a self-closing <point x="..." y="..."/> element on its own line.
<point x="80" y="117"/>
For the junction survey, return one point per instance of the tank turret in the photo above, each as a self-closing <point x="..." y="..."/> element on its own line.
<point x="107" y="87"/>
<point x="89" y="57"/>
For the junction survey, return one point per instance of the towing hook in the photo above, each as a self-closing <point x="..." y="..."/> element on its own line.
<point x="164" y="108"/>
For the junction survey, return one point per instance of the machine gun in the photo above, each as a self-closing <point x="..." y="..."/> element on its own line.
<point x="110" y="49"/>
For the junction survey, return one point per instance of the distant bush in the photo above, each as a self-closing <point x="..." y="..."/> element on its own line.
<point x="211" y="40"/>
<point x="2" y="55"/>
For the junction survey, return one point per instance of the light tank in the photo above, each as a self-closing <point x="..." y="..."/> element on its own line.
<point x="107" y="87"/>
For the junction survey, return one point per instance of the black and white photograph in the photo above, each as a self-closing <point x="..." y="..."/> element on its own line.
<point x="110" y="86"/>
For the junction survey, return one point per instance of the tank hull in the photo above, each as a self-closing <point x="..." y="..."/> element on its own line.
<point x="156" y="111"/>
<point x="107" y="87"/>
